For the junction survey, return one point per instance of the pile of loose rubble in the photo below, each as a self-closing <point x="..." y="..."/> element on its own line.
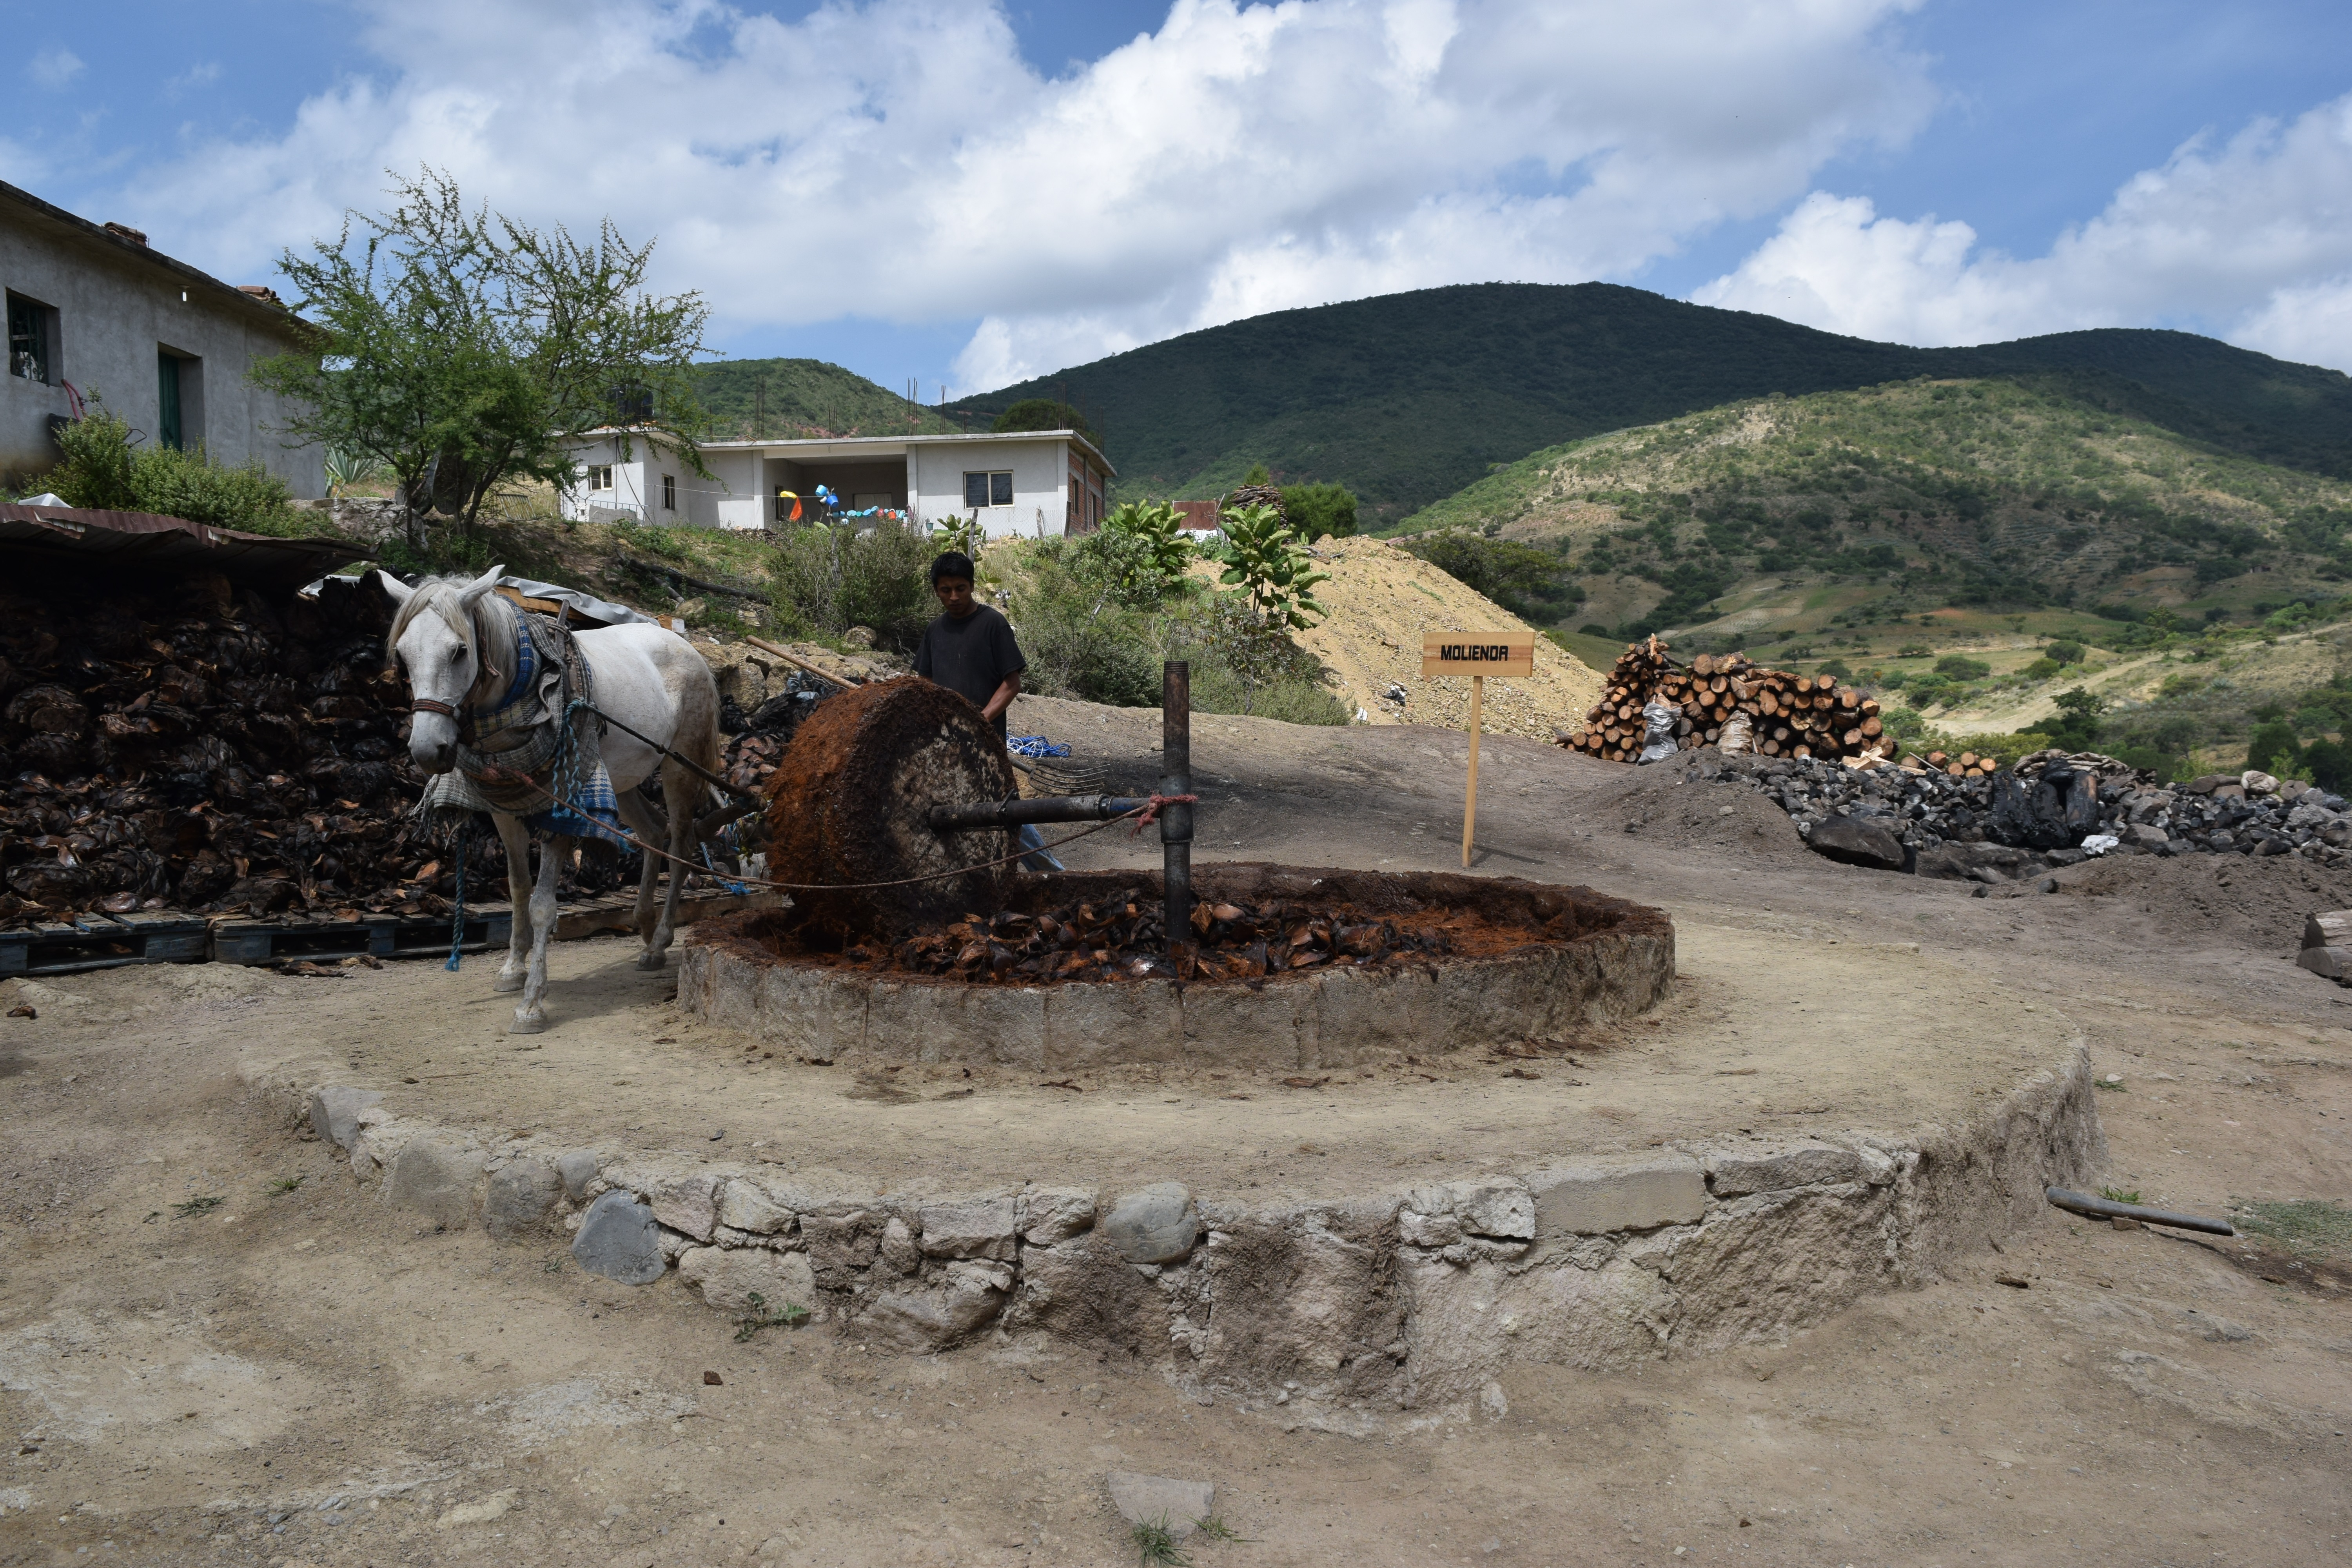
<point x="2054" y="809"/>
<point x="1726" y="700"/>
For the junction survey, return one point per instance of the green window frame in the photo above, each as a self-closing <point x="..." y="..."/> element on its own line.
<point x="167" y="399"/>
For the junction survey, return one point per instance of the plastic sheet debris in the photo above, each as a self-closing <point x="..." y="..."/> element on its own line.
<point x="1658" y="719"/>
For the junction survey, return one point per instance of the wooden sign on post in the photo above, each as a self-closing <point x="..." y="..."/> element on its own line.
<point x="1476" y="655"/>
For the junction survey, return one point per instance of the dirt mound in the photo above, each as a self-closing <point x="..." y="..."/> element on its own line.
<point x="2257" y="900"/>
<point x="1380" y="600"/>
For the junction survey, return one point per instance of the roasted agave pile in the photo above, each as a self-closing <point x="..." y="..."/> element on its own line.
<point x="1125" y="939"/>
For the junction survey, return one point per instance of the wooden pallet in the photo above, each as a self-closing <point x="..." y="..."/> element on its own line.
<point x="149" y="937"/>
<point x="163" y="936"/>
<point x="377" y="936"/>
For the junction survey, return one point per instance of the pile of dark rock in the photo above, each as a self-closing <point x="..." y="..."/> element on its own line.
<point x="2054" y="809"/>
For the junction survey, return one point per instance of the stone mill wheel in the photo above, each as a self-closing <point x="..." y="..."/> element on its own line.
<point x="848" y="800"/>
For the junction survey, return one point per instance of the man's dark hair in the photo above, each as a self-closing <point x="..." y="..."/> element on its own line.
<point x="954" y="563"/>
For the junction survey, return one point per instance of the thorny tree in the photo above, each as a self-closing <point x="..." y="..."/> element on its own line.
<point x="463" y="350"/>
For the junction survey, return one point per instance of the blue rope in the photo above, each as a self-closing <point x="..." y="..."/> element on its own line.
<point x="715" y="871"/>
<point x="457" y="909"/>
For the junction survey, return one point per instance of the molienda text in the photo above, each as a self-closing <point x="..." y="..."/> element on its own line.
<point x="1481" y="653"/>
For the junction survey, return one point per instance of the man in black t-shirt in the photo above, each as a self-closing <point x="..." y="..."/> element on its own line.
<point x="970" y="649"/>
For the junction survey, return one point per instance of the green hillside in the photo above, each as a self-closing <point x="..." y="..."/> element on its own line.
<point x="753" y="398"/>
<point x="2001" y="494"/>
<point x="1974" y="551"/>
<point x="1409" y="397"/>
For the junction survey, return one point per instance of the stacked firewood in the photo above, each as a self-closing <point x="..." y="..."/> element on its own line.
<point x="1961" y="764"/>
<point x="1729" y="700"/>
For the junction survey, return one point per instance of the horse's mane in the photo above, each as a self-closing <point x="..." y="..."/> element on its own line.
<point x="438" y="595"/>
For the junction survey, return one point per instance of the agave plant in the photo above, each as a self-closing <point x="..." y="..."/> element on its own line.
<point x="347" y="468"/>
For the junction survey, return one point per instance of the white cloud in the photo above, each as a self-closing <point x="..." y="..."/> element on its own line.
<point x="2252" y="239"/>
<point x="53" y="67"/>
<point x="898" y="160"/>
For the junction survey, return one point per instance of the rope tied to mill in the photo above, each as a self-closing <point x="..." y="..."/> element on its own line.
<point x="1151" y="812"/>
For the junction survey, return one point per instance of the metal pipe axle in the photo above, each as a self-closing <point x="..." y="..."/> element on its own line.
<point x="973" y="815"/>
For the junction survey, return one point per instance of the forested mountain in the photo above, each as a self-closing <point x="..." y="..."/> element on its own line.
<point x="780" y="398"/>
<point x="1409" y="397"/>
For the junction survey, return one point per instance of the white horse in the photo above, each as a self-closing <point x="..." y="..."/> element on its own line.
<point x="457" y="643"/>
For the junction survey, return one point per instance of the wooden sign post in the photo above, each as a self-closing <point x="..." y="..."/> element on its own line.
<point x="1476" y="655"/>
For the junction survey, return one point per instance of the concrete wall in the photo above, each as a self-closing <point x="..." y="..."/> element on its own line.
<point x="637" y="476"/>
<point x="115" y="307"/>
<point x="1040" y="483"/>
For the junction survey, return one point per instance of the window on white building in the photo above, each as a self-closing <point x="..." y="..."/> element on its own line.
<point x="29" y="324"/>
<point x="670" y="492"/>
<point x="987" y="489"/>
<point x="600" y="476"/>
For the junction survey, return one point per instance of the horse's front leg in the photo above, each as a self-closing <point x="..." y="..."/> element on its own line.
<point x="517" y="840"/>
<point x="531" y="1017"/>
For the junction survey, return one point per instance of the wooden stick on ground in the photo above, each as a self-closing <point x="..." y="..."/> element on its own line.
<point x="816" y="669"/>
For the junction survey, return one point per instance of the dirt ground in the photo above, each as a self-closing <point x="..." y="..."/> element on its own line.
<point x="298" y="1375"/>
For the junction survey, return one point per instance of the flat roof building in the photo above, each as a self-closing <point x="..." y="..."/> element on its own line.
<point x="94" y="314"/>
<point x="1041" y="482"/>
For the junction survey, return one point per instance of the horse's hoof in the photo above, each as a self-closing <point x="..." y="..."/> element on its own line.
<point x="527" y="1023"/>
<point x="653" y="960"/>
<point x="509" y="982"/>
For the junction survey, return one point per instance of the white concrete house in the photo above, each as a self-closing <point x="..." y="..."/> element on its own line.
<point x="93" y="312"/>
<point x="1030" y="482"/>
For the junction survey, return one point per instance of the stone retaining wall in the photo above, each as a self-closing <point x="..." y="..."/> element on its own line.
<point x="1347" y="1310"/>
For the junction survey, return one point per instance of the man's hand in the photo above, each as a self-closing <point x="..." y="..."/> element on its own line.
<point x="1001" y="698"/>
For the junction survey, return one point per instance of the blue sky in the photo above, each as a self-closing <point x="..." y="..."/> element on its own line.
<point x="968" y="193"/>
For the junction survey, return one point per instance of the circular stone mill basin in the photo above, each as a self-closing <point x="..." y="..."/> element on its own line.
<point x="1373" y="1189"/>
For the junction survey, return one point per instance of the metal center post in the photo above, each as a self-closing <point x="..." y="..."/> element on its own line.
<point x="1175" y="815"/>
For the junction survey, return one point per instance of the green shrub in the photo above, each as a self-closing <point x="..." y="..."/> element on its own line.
<point x="1319" y="512"/>
<point x="1913" y="650"/>
<point x="2166" y="767"/>
<point x="828" y="579"/>
<point x="1532" y="583"/>
<point x="104" y="471"/>
<point x="2064" y="652"/>
<point x="2040" y="669"/>
<point x="1266" y="563"/>
<point x="1241" y="665"/>
<point x="1959" y="666"/>
<point x="2003" y="748"/>
<point x="1042" y="414"/>
<point x="2273" y="743"/>
<point x="1141" y="551"/>
<point x="1838" y="668"/>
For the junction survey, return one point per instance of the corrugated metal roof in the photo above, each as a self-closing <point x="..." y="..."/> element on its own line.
<point x="139" y="540"/>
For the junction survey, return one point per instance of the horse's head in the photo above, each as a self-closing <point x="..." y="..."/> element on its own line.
<point x="436" y="640"/>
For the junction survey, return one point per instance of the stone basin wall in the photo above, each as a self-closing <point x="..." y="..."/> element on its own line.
<point x="1349" y="1312"/>
<point x="1582" y="958"/>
